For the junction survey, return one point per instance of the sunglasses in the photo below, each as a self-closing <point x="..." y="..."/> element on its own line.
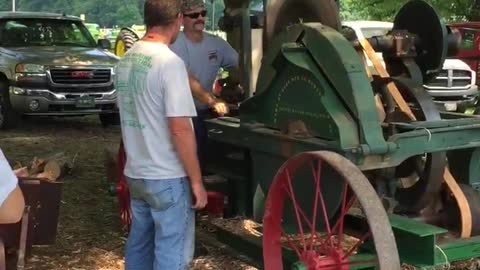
<point x="196" y="14"/>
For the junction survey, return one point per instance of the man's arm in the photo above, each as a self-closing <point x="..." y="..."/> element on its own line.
<point x="179" y="109"/>
<point x="184" y="141"/>
<point x="11" y="210"/>
<point x="199" y="93"/>
<point x="206" y="97"/>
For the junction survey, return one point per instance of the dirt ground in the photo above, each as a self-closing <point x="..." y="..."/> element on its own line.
<point x="90" y="235"/>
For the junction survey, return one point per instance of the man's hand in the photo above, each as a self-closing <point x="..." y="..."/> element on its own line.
<point x="199" y="195"/>
<point x="220" y="108"/>
<point x="21" y="172"/>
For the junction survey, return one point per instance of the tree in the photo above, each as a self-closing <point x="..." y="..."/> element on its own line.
<point x="386" y="10"/>
<point x="127" y="12"/>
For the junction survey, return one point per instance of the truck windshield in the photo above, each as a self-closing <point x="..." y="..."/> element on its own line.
<point x="369" y="32"/>
<point x="44" y="32"/>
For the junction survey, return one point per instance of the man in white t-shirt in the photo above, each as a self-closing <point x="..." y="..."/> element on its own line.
<point x="11" y="198"/>
<point x="162" y="168"/>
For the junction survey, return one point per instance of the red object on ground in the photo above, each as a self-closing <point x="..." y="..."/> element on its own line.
<point x="215" y="203"/>
<point x="121" y="188"/>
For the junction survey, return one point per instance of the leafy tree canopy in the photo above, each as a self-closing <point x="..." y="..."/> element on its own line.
<point x="109" y="13"/>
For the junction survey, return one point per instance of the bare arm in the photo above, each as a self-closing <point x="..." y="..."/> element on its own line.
<point x="205" y="97"/>
<point x="184" y="141"/>
<point x="11" y="210"/>
<point x="199" y="93"/>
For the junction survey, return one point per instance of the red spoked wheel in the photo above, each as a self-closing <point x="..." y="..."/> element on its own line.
<point x="121" y="189"/>
<point x="345" y="212"/>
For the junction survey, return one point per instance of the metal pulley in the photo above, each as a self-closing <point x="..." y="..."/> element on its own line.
<point x="418" y="43"/>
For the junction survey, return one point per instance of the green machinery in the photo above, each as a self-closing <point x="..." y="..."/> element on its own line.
<point x="341" y="168"/>
<point x="344" y="169"/>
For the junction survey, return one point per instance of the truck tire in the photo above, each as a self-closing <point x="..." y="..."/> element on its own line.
<point x="109" y="119"/>
<point x="125" y="40"/>
<point x="8" y="117"/>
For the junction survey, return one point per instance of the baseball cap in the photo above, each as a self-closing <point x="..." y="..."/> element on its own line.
<point x="192" y="4"/>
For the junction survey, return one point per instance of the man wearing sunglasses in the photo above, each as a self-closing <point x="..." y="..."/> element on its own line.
<point x="204" y="54"/>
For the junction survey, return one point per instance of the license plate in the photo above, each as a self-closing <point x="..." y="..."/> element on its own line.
<point x="451" y="107"/>
<point x="85" y="102"/>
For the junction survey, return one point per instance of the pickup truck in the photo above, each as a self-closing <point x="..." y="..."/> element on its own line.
<point x="50" y="65"/>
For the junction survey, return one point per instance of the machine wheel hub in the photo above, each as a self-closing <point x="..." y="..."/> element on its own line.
<point x="334" y="260"/>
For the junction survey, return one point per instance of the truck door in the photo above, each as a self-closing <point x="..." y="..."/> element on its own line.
<point x="469" y="50"/>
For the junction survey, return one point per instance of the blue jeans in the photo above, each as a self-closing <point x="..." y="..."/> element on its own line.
<point x="162" y="234"/>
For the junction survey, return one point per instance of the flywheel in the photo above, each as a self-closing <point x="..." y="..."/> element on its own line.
<point x="316" y="238"/>
<point x="424" y="172"/>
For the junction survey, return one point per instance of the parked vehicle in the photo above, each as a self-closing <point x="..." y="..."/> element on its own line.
<point x="453" y="89"/>
<point x="94" y="30"/>
<point x="469" y="51"/>
<point x="51" y="65"/>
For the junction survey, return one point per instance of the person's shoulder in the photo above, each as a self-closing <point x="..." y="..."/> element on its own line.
<point x="179" y="40"/>
<point x="214" y="38"/>
<point x="168" y="58"/>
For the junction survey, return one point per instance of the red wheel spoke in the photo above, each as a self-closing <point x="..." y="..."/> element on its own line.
<point x="316" y="175"/>
<point x="357" y="245"/>
<point x="332" y="245"/>
<point x="340" y="221"/>
<point x="297" y="208"/>
<point x="324" y="208"/>
<point x="290" y="243"/>
<point x="301" y="211"/>
<point x="342" y="215"/>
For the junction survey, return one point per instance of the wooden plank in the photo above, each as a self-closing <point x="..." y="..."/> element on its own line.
<point x="392" y="88"/>
<point x="465" y="213"/>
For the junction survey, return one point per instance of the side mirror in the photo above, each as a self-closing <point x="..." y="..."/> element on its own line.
<point x="104" y="44"/>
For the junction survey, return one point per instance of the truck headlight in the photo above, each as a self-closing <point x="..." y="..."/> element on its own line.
<point x="29" y="68"/>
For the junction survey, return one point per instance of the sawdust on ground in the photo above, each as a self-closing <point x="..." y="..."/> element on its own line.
<point x="90" y="235"/>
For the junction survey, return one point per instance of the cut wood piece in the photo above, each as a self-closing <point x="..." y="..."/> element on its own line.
<point x="36" y="166"/>
<point x="50" y="168"/>
<point x="53" y="170"/>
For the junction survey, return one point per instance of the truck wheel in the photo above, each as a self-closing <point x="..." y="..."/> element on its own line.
<point x="109" y="119"/>
<point x="125" y="40"/>
<point x="8" y="117"/>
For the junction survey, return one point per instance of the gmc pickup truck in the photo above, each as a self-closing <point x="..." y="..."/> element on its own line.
<point x="50" y="65"/>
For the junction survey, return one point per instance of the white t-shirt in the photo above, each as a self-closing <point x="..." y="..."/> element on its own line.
<point x="152" y="85"/>
<point x="8" y="180"/>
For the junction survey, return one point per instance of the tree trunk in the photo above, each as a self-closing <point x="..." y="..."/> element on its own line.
<point x="474" y="11"/>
